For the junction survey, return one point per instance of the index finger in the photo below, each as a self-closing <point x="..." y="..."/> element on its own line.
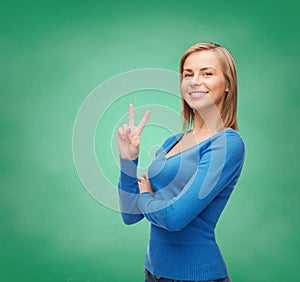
<point x="131" y="115"/>
<point x="144" y="120"/>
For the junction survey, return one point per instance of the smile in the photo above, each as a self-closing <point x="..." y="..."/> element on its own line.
<point x="198" y="94"/>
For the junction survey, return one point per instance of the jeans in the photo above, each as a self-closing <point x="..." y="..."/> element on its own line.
<point x="149" y="277"/>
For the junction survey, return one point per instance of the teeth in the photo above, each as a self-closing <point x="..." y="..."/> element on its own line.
<point x="198" y="94"/>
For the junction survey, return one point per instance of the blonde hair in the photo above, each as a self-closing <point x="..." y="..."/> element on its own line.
<point x="229" y="109"/>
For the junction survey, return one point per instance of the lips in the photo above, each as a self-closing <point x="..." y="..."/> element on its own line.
<point x="198" y="94"/>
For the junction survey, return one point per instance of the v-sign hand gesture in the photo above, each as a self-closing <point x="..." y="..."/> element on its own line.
<point x="129" y="136"/>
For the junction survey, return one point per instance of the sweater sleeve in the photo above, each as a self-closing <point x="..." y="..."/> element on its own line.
<point x="129" y="191"/>
<point x="219" y="167"/>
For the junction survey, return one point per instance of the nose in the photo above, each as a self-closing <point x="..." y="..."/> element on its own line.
<point x="196" y="80"/>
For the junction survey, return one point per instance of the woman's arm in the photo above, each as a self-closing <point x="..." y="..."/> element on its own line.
<point x="219" y="167"/>
<point x="129" y="148"/>
<point x="129" y="192"/>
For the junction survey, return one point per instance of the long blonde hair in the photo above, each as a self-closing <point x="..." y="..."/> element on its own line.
<point x="229" y="109"/>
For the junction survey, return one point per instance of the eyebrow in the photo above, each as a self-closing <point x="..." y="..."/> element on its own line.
<point x="202" y="69"/>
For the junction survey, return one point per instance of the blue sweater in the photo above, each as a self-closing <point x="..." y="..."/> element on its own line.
<point x="191" y="190"/>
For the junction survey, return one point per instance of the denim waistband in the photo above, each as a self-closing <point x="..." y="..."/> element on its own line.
<point x="149" y="277"/>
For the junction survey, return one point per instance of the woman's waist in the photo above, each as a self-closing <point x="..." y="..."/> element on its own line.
<point x="190" y="235"/>
<point x="184" y="261"/>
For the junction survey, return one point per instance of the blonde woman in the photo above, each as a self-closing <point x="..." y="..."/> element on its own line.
<point x="190" y="180"/>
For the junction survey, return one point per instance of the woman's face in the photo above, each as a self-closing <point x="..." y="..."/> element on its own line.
<point x="203" y="83"/>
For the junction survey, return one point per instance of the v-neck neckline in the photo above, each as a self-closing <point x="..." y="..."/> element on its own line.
<point x="178" y="139"/>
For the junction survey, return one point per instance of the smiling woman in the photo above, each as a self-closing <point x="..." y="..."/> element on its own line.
<point x="193" y="174"/>
<point x="203" y="79"/>
<point x="214" y="64"/>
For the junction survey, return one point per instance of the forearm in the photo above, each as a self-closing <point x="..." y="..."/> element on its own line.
<point x="129" y="192"/>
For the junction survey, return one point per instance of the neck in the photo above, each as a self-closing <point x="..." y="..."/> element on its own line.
<point x="207" y="121"/>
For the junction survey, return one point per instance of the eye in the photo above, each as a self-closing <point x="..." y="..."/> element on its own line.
<point x="207" y="73"/>
<point x="187" y="75"/>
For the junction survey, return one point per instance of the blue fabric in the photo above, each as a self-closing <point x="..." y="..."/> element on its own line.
<point x="191" y="190"/>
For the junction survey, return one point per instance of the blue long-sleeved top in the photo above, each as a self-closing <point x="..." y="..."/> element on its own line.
<point x="191" y="189"/>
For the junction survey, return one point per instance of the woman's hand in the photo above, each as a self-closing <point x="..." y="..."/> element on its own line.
<point x="144" y="184"/>
<point x="129" y="136"/>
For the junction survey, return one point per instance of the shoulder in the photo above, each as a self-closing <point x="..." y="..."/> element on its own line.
<point x="234" y="139"/>
<point x="235" y="145"/>
<point x="228" y="137"/>
<point x="229" y="141"/>
<point x="172" y="140"/>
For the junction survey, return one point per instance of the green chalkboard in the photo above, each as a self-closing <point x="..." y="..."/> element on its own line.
<point x="55" y="54"/>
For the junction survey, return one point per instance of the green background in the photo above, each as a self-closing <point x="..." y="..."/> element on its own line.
<point x="54" y="53"/>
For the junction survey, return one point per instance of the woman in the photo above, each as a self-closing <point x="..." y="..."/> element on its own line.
<point x="193" y="174"/>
